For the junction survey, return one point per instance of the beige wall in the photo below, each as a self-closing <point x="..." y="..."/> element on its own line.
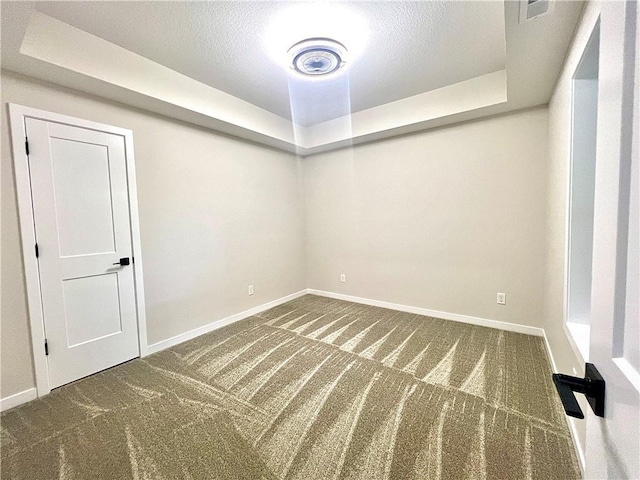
<point x="567" y="361"/>
<point x="216" y="215"/>
<point x="16" y="365"/>
<point x="442" y="220"/>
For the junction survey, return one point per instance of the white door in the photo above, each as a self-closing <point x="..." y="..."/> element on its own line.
<point x="82" y="227"/>
<point x="613" y="445"/>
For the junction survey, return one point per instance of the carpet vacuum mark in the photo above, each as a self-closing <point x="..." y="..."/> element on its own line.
<point x="313" y="389"/>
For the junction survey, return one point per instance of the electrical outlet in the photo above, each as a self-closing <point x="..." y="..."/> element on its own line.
<point x="501" y="298"/>
<point x="343" y="278"/>
<point x="250" y="289"/>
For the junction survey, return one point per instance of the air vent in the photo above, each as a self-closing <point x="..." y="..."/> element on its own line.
<point x="532" y="9"/>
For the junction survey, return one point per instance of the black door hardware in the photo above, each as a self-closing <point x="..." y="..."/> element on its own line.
<point x="592" y="385"/>
<point x="123" y="261"/>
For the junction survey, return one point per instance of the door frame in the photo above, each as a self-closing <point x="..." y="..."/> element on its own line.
<point x="17" y="121"/>
<point x="594" y="24"/>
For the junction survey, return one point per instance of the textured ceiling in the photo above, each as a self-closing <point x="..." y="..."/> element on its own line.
<point x="221" y="65"/>
<point x="411" y="47"/>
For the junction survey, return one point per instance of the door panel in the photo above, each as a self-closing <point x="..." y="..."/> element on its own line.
<point x="92" y="308"/>
<point x="613" y="441"/>
<point x="82" y="224"/>
<point x="82" y="197"/>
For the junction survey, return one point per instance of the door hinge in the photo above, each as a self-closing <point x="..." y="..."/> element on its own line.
<point x="37" y="251"/>
<point x="46" y="347"/>
<point x="26" y="145"/>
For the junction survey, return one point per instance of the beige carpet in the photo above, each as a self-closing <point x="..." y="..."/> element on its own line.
<point x="313" y="389"/>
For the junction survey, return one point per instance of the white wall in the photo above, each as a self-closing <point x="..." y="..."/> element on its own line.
<point x="566" y="358"/>
<point x="441" y="220"/>
<point x="216" y="214"/>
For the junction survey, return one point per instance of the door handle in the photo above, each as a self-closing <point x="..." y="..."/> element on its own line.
<point x="592" y="386"/>
<point x="123" y="261"/>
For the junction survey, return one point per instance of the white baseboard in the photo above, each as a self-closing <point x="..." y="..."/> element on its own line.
<point x="456" y="317"/>
<point x="571" y="421"/>
<point x="183" y="337"/>
<point x="554" y="366"/>
<point x="18" y="399"/>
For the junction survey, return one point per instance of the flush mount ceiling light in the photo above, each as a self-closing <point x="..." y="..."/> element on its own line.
<point x="292" y="22"/>
<point x="317" y="57"/>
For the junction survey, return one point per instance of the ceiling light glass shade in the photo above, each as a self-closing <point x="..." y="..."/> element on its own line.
<point x="317" y="56"/>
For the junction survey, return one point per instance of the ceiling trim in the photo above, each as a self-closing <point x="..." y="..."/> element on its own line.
<point x="483" y="91"/>
<point x="101" y="62"/>
<point x="58" y="43"/>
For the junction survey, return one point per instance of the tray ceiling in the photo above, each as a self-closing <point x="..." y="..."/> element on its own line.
<point x="223" y="65"/>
